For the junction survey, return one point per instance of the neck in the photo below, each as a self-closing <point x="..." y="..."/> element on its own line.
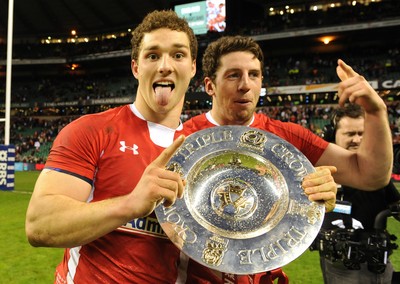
<point x="220" y="121"/>
<point x="169" y="118"/>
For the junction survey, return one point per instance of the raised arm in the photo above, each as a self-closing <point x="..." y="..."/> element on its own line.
<point x="370" y="167"/>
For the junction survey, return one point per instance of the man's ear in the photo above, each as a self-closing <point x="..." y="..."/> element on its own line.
<point x="134" y="68"/>
<point x="194" y="69"/>
<point x="209" y="86"/>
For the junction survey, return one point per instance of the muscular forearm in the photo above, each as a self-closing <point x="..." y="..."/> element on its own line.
<point x="375" y="154"/>
<point x="60" y="221"/>
<point x="59" y="216"/>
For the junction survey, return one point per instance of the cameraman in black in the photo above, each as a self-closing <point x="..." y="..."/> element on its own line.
<point x="348" y="232"/>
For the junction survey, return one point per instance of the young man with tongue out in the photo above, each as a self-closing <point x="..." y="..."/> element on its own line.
<point x="106" y="172"/>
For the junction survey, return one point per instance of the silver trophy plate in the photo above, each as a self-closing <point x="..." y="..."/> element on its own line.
<point x="244" y="210"/>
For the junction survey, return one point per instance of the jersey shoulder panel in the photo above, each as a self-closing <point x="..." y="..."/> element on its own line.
<point x="79" y="145"/>
<point x="196" y="123"/>
<point x="310" y="144"/>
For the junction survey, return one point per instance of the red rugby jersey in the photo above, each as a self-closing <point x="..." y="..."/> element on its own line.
<point x="311" y="145"/>
<point x="110" y="150"/>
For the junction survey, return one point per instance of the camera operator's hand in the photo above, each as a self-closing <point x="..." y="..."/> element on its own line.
<point x="320" y="186"/>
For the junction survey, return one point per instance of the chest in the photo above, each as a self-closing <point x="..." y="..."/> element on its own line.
<point x="122" y="161"/>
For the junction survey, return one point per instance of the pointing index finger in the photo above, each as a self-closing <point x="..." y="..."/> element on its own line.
<point x="166" y="155"/>
<point x="344" y="71"/>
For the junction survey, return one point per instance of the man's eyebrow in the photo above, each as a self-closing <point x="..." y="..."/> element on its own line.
<point x="232" y="70"/>
<point x="151" y="47"/>
<point x="240" y="70"/>
<point x="156" y="46"/>
<point x="180" y="45"/>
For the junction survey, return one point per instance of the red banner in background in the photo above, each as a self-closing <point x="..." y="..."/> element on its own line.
<point x="39" y="167"/>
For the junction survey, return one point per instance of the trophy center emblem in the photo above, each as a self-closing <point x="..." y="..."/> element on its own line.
<point x="233" y="199"/>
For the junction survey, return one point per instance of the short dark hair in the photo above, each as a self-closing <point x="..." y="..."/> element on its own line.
<point x="227" y="44"/>
<point x="350" y="110"/>
<point x="162" y="19"/>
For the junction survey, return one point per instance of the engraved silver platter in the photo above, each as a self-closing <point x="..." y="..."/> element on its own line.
<point x="244" y="210"/>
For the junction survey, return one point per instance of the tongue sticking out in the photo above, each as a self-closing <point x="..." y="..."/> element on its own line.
<point x="163" y="94"/>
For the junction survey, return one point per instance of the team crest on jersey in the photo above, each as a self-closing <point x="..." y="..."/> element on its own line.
<point x="125" y="148"/>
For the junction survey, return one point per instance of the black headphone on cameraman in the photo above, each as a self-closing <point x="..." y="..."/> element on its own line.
<point x="329" y="130"/>
<point x="350" y="110"/>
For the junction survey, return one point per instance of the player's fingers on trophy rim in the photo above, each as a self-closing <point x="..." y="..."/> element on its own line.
<point x="332" y="169"/>
<point x="169" y="198"/>
<point x="181" y="188"/>
<point x="330" y="205"/>
<point x="325" y="187"/>
<point x="169" y="175"/>
<point x="329" y="208"/>
<point x="319" y="171"/>
<point x="318" y="181"/>
<point x="171" y="185"/>
<point x="322" y="196"/>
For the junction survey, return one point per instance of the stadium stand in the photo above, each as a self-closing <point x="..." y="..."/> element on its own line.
<point x="54" y="83"/>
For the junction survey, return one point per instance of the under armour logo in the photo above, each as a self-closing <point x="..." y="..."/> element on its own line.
<point x="124" y="147"/>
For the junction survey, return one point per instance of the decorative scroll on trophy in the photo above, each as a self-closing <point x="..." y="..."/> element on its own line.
<point x="244" y="210"/>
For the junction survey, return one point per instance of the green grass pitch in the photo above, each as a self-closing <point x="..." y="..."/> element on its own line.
<point x="20" y="263"/>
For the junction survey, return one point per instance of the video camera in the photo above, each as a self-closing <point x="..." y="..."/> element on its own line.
<point x="353" y="247"/>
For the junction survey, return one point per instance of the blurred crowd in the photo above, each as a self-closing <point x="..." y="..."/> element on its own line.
<point x="33" y="136"/>
<point x="43" y="105"/>
<point x="373" y="63"/>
